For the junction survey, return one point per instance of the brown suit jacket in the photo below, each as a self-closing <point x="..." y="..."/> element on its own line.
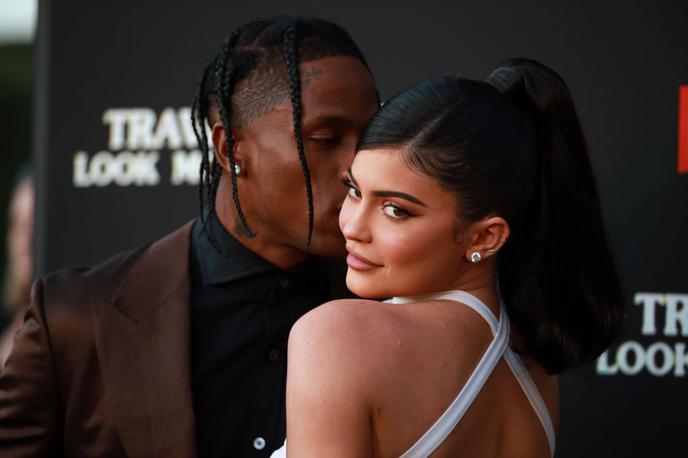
<point x="101" y="366"/>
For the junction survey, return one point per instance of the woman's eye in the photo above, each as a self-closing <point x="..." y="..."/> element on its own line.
<point x="353" y="192"/>
<point x="395" y="212"/>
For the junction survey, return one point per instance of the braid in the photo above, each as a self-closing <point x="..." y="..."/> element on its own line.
<point x="224" y="79"/>
<point x="291" y="57"/>
<point x="199" y="115"/>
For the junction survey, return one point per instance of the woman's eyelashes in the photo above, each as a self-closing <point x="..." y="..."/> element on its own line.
<point x="395" y="211"/>
<point x="389" y="209"/>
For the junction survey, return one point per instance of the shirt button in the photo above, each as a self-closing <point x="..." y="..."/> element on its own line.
<point x="284" y="282"/>
<point x="273" y="354"/>
<point x="259" y="443"/>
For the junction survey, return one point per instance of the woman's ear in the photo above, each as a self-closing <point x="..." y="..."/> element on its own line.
<point x="487" y="238"/>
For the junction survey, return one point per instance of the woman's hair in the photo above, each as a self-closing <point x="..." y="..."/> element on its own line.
<point x="256" y="68"/>
<point x="513" y="146"/>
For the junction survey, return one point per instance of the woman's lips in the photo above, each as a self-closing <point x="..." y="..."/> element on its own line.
<point x="358" y="262"/>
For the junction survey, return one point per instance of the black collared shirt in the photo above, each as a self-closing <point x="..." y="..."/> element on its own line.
<point x="242" y="308"/>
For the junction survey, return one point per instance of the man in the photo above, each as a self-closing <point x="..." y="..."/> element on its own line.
<point x="177" y="349"/>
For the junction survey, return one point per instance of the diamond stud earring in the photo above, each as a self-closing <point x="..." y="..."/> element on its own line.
<point x="475" y="257"/>
<point x="237" y="169"/>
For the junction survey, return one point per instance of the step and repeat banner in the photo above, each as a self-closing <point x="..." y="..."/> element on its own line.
<point x="117" y="162"/>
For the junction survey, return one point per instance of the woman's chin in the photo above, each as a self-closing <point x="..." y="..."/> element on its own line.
<point x="365" y="288"/>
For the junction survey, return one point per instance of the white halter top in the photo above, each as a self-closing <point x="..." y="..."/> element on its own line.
<point x="497" y="350"/>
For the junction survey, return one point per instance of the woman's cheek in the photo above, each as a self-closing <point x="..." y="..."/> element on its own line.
<point x="400" y="244"/>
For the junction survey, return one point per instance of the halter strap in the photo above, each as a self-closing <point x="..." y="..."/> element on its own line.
<point x="444" y="425"/>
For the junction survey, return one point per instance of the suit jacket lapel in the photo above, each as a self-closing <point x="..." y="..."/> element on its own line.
<point x="142" y="336"/>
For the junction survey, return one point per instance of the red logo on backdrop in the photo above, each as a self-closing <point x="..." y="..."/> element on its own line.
<point x="683" y="129"/>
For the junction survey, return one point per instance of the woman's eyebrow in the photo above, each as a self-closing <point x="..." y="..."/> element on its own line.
<point x="351" y="176"/>
<point x="401" y="195"/>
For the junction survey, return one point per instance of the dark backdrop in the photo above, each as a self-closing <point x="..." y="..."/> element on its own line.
<point x="16" y="70"/>
<point x="624" y="62"/>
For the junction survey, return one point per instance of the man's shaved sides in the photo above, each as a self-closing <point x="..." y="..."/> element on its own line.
<point x="256" y="96"/>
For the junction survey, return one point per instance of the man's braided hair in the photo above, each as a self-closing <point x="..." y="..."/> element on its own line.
<point x="257" y="68"/>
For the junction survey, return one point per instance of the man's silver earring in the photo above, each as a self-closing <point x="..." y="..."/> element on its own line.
<point x="475" y="257"/>
<point x="237" y="170"/>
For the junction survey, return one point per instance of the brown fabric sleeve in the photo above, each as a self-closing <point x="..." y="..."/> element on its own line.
<point x="29" y="405"/>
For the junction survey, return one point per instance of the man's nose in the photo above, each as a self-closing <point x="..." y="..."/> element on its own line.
<point x="346" y="158"/>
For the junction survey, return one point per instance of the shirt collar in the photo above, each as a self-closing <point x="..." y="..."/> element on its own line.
<point x="234" y="261"/>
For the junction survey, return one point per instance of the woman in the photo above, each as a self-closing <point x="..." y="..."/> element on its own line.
<point x="472" y="204"/>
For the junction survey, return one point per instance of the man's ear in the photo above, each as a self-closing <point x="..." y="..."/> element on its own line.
<point x="487" y="237"/>
<point x="219" y="140"/>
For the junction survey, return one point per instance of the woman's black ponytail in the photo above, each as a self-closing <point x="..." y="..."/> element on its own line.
<point x="568" y="301"/>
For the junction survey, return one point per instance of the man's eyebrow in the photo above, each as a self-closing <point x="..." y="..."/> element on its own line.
<point x="401" y="195"/>
<point x="327" y="119"/>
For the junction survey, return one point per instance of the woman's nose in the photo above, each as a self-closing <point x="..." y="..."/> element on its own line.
<point x="353" y="222"/>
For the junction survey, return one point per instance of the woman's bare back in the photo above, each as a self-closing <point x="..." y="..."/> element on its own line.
<point x="417" y="358"/>
<point x="440" y="344"/>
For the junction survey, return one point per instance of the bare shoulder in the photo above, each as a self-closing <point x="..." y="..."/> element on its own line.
<point x="343" y="338"/>
<point x="333" y="315"/>
<point x="364" y="334"/>
<point x="342" y="323"/>
<point x="348" y="322"/>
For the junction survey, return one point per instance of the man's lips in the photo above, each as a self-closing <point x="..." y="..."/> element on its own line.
<point x="358" y="262"/>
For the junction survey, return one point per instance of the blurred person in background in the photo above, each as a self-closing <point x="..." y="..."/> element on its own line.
<point x="19" y="268"/>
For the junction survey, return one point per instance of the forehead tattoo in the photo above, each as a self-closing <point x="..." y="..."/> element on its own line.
<point x="254" y="97"/>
